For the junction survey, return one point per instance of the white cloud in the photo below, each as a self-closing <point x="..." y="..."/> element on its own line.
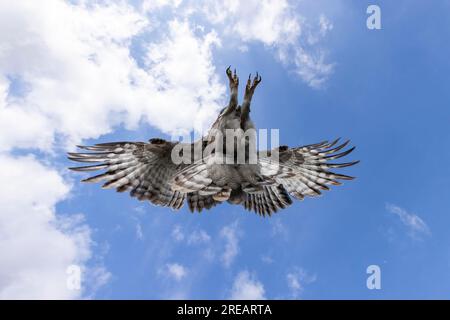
<point x="280" y="26"/>
<point x="151" y="5"/>
<point x="297" y="279"/>
<point x="136" y="217"/>
<point x="67" y="73"/>
<point x="198" y="237"/>
<point x="38" y="245"/>
<point x="177" y="233"/>
<point x="267" y="21"/>
<point x="279" y="229"/>
<point x="293" y="35"/>
<point x="94" y="279"/>
<point x="230" y="235"/>
<point x="193" y="238"/>
<point x="74" y="62"/>
<point x="139" y="233"/>
<point x="325" y="25"/>
<point x="35" y="134"/>
<point x="247" y="287"/>
<point x="176" y="271"/>
<point x="181" y="64"/>
<point x="82" y="80"/>
<point x="415" y="225"/>
<point x="267" y="259"/>
<point x="312" y="67"/>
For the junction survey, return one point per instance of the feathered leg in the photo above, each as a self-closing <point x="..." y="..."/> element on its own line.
<point x="249" y="91"/>
<point x="234" y="84"/>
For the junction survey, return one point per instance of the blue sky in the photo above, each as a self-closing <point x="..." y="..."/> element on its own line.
<point x="386" y="90"/>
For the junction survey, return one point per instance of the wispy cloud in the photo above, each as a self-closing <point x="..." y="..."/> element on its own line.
<point x="52" y="52"/>
<point x="279" y="229"/>
<point x="195" y="237"/>
<point x="297" y="279"/>
<point x="177" y="233"/>
<point x="96" y="278"/>
<point x="416" y="226"/>
<point x="139" y="233"/>
<point x="176" y="271"/>
<point x="55" y="50"/>
<point x="77" y="46"/>
<point x="247" y="287"/>
<point x="198" y="237"/>
<point x="230" y="235"/>
<point x="38" y="245"/>
<point x="294" y="39"/>
<point x="266" y="258"/>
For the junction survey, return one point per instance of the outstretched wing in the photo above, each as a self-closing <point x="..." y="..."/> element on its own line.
<point x="298" y="172"/>
<point x="144" y="169"/>
<point x="268" y="200"/>
<point x="304" y="171"/>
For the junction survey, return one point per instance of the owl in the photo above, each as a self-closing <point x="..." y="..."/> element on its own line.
<point x="263" y="181"/>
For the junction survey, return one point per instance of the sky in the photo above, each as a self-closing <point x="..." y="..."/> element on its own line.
<point x="75" y="72"/>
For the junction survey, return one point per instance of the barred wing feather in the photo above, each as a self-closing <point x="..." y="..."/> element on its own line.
<point x="144" y="169"/>
<point x="304" y="171"/>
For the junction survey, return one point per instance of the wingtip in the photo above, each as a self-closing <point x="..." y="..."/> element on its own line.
<point x="89" y="168"/>
<point x="334" y="142"/>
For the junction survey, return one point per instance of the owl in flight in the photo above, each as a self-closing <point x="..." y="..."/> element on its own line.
<point x="260" y="181"/>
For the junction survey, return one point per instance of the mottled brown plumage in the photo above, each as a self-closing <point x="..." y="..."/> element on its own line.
<point x="147" y="171"/>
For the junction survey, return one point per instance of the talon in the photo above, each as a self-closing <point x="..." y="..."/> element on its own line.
<point x="232" y="76"/>
<point x="228" y="72"/>
<point x="256" y="80"/>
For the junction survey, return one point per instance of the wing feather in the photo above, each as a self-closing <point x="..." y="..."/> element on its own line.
<point x="147" y="172"/>
<point x="269" y="200"/>
<point x="144" y="169"/>
<point x="304" y="171"/>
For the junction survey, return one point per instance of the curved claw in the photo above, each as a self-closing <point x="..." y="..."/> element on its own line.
<point x="232" y="76"/>
<point x="228" y="72"/>
<point x="249" y="82"/>
<point x="257" y="79"/>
